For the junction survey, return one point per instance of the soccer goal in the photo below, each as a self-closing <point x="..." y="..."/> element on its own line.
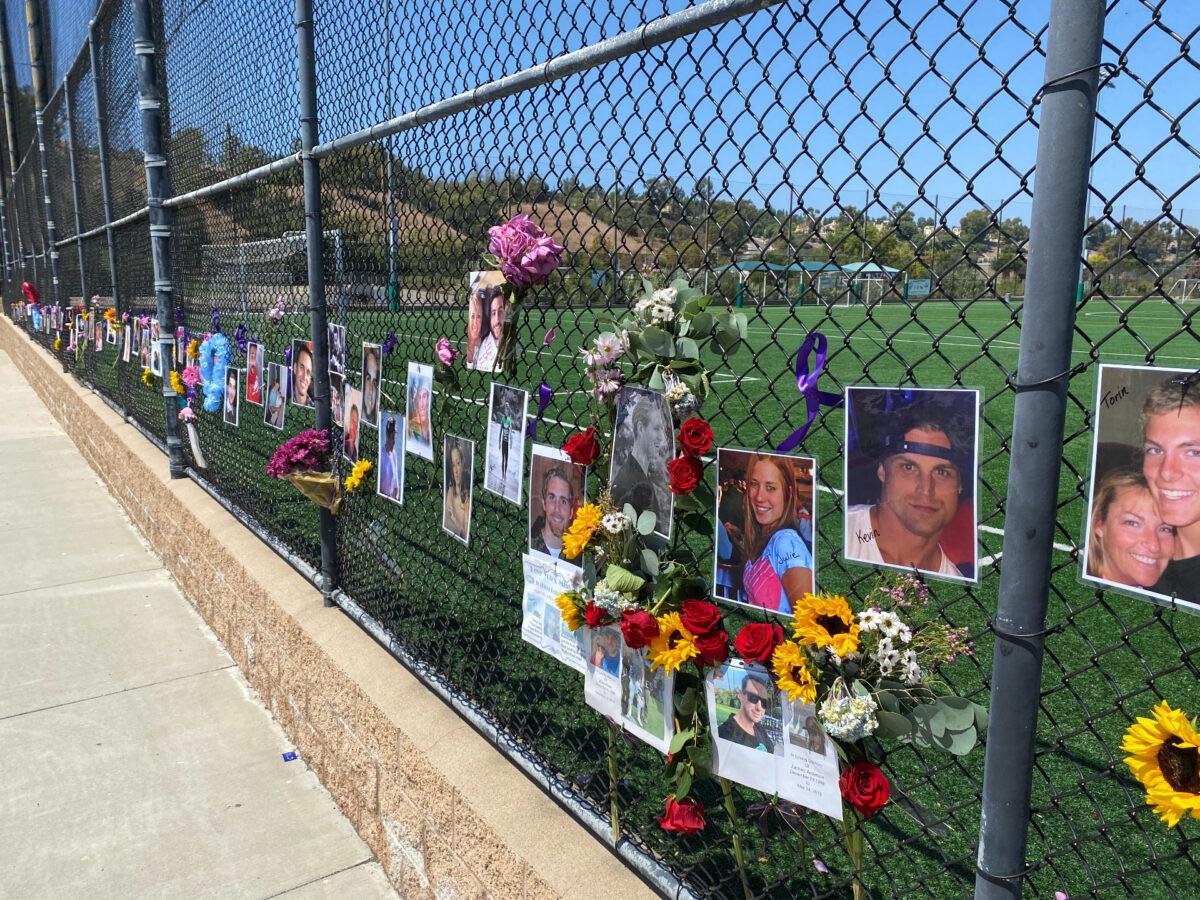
<point x="1185" y="289"/>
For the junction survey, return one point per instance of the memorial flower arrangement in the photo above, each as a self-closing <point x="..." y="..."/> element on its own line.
<point x="147" y="377"/>
<point x="357" y="475"/>
<point x="526" y="255"/>
<point x="1164" y="755"/>
<point x="305" y="461"/>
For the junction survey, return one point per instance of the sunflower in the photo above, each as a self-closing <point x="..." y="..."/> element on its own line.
<point x="177" y="384"/>
<point x="193" y="348"/>
<point x="791" y="671"/>
<point x="826" y="622"/>
<point x="147" y="377"/>
<point x="570" y="612"/>
<point x="583" y="526"/>
<point x="1165" y="758"/>
<point x="355" y="479"/>
<point x="674" y="645"/>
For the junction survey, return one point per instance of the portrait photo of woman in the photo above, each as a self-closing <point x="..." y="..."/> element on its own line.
<point x="419" y="402"/>
<point x="485" y="321"/>
<point x="275" y="409"/>
<point x="457" y="484"/>
<point x="1130" y="544"/>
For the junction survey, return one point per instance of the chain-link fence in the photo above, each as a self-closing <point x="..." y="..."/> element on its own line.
<point x="866" y="170"/>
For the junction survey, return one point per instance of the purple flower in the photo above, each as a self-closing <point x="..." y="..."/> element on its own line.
<point x="239" y="336"/>
<point x="389" y="343"/>
<point x="287" y="355"/>
<point x="526" y="253"/>
<point x="549" y="337"/>
<point x="820" y="866"/>
<point x="306" y="452"/>
<point x="445" y="353"/>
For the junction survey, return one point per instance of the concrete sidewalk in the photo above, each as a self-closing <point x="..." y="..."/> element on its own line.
<point x="134" y="760"/>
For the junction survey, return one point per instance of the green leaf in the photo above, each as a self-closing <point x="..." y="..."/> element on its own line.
<point x="888" y="701"/>
<point x="981" y="718"/>
<point x="630" y="512"/>
<point x="892" y="725"/>
<point x="684" y="784"/>
<point x="650" y="562"/>
<point x="702" y="324"/>
<point x="623" y="580"/>
<point x="647" y="287"/>
<point x="928" y="722"/>
<point x="687" y="348"/>
<point x="656" y="379"/>
<point x="646" y="521"/>
<point x="960" y="743"/>
<point x="958" y="713"/>
<point x="859" y="689"/>
<point x="681" y="738"/>
<point x="685" y="703"/>
<point x="658" y="342"/>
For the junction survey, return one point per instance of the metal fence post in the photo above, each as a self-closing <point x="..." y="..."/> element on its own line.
<point x="1064" y="152"/>
<point x="33" y="21"/>
<point x="158" y="189"/>
<point x="69" y="105"/>
<point x="7" y="84"/>
<point x="314" y="238"/>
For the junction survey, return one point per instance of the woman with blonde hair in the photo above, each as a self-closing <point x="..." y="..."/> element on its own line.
<point x="779" y="566"/>
<point x="1128" y="541"/>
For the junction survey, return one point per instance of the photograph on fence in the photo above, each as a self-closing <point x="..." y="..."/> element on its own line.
<point x="337" y="399"/>
<point x="110" y="332"/>
<point x="485" y="321"/>
<point x="232" y="395"/>
<point x="159" y="365"/>
<point x="557" y="488"/>
<point x="127" y="344"/>
<point x="643" y="444"/>
<point x="458" y="483"/>
<point x="910" y="476"/>
<point x="542" y="624"/>
<point x="602" y="677"/>
<point x="751" y="745"/>
<point x="254" y="357"/>
<point x="418" y="410"/>
<point x="1142" y="529"/>
<point x="647" y="699"/>
<point x="302" y="373"/>
<point x="98" y="335"/>
<point x="765" y="522"/>
<point x="180" y="342"/>
<point x="370" y="383"/>
<point x="144" y="349"/>
<point x="337" y="348"/>
<point x="275" y="409"/>
<point x="390" y="480"/>
<point x="504" y="460"/>
<point x="352" y="408"/>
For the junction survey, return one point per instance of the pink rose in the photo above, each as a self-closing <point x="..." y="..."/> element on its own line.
<point x="445" y="353"/>
<point x="526" y="253"/>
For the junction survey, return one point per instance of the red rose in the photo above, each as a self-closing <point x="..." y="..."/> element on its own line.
<point x="582" y="447"/>
<point x="684" y="473"/>
<point x="639" y="628"/>
<point x="713" y="647"/>
<point x="700" y="617"/>
<point x="685" y="816"/>
<point x="695" y="436"/>
<point x="594" y="615"/>
<point x="865" y="787"/>
<point x="757" y="641"/>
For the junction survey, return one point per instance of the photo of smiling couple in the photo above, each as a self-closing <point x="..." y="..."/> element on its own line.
<point x="1142" y="532"/>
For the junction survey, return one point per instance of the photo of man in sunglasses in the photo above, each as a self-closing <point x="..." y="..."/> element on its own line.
<point x="744" y="726"/>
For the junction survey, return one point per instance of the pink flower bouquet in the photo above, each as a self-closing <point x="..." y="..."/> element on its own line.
<point x="526" y="253"/>
<point x="304" y="460"/>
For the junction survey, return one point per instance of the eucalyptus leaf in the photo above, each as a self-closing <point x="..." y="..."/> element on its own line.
<point x="958" y="713"/>
<point x="650" y="562"/>
<point x="681" y="738"/>
<point x="981" y="718"/>
<point x="646" y="521"/>
<point x="892" y="725"/>
<point x="960" y="743"/>
<point x="656" y="380"/>
<point x="888" y="701"/>
<point x="702" y="324"/>
<point x="687" y="348"/>
<point x="630" y="512"/>
<point x="658" y="341"/>
<point x="859" y="689"/>
<point x="929" y="722"/>
<point x="620" y="579"/>
<point x="647" y="287"/>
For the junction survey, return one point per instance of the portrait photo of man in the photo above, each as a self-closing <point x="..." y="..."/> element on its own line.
<point x="748" y="707"/>
<point x="302" y="374"/>
<point x="1142" y="531"/>
<point x="337" y="348"/>
<point x="352" y="408"/>
<point x="275" y="396"/>
<point x="910" y="480"/>
<point x="370" y="383"/>
<point x="485" y="321"/>
<point x="390" y="481"/>
<point x="232" y="387"/>
<point x="643" y="444"/>
<point x="556" y="491"/>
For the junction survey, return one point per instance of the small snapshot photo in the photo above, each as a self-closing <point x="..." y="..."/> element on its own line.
<point x="110" y="335"/>
<point x="337" y="348"/>
<point x="156" y="360"/>
<point x="371" y="370"/>
<point x="457" y="483"/>
<point x="352" y="409"/>
<point x="232" y="395"/>
<point x="276" y="392"/>
<point x="98" y="336"/>
<point x="337" y="399"/>
<point x="912" y="456"/>
<point x="254" y="374"/>
<point x="646" y="699"/>
<point x="749" y="708"/>
<point x="127" y="345"/>
<point x="1142" y="531"/>
<point x="144" y="350"/>
<point x="803" y="729"/>
<point x="505" y="458"/>
<point x="154" y="334"/>
<point x="556" y="490"/>
<point x="643" y="444"/>
<point x="418" y="406"/>
<point x="181" y="342"/>
<point x="485" y="321"/>
<point x="390" y="480"/>
<point x="302" y="373"/>
<point x="765" y="524"/>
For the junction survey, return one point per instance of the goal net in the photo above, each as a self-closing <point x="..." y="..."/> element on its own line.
<point x="254" y="275"/>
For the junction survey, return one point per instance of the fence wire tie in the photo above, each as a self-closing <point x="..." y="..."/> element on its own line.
<point x="1019" y="386"/>
<point x="1106" y="69"/>
<point x="1014" y="636"/>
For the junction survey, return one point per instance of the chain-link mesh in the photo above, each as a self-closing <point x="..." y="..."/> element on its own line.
<point x="865" y="170"/>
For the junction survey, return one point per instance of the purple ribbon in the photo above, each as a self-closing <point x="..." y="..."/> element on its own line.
<point x="545" y="392"/>
<point x="239" y="336"/>
<point x="389" y="343"/>
<point x="814" y="397"/>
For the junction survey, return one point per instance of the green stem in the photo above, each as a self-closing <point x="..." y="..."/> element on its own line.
<point x="727" y="793"/>
<point x="852" y="835"/>
<point x="613" y="806"/>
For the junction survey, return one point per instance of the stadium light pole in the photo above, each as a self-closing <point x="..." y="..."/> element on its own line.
<point x="1067" y="122"/>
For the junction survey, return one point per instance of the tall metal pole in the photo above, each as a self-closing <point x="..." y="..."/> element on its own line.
<point x="158" y="189"/>
<point x="33" y="21"/>
<point x="98" y="89"/>
<point x="1059" y="200"/>
<point x="8" y="83"/>
<point x="305" y="49"/>
<point x="70" y="107"/>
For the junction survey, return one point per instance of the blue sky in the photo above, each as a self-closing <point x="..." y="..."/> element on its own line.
<point x="789" y="99"/>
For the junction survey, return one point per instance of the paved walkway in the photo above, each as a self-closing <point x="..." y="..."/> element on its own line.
<point x="134" y="760"/>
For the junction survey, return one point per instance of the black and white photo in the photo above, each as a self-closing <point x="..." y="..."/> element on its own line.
<point x="643" y="444"/>
<point x="505" y="458"/>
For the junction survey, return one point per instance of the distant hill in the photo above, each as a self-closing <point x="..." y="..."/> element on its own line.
<point x="580" y="231"/>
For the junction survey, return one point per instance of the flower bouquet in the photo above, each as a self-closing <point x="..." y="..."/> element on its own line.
<point x="526" y="256"/>
<point x="304" y="460"/>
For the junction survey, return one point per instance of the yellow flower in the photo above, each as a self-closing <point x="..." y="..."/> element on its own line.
<point x="355" y="479"/>
<point x="582" y="527"/>
<point x="110" y="314"/>
<point x="147" y="377"/>
<point x="792" y="672"/>
<point x="570" y="612"/>
<point x="57" y="344"/>
<point x="87" y="316"/>
<point x="674" y="645"/>
<point x="193" y="348"/>
<point x="177" y="383"/>
<point x="1165" y="758"/>
<point x="826" y="622"/>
